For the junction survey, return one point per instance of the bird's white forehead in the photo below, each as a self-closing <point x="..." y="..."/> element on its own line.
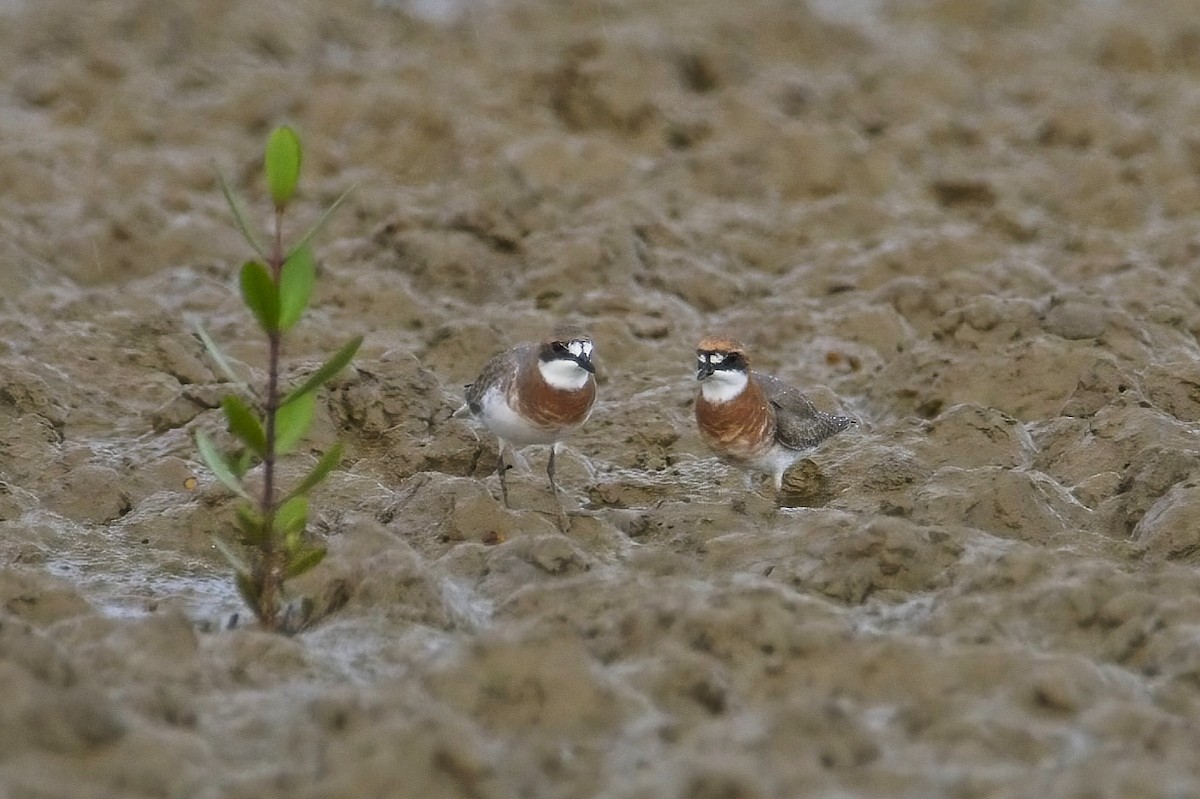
<point x="711" y="357"/>
<point x="580" y="348"/>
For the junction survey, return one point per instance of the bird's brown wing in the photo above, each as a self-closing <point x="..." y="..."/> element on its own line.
<point x="498" y="372"/>
<point x="798" y="424"/>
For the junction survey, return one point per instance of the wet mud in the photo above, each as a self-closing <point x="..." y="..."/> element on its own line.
<point x="975" y="226"/>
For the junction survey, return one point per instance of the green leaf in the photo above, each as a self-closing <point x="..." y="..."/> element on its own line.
<point x="283" y="164"/>
<point x="219" y="358"/>
<point x="322" y="220"/>
<point x="244" y="424"/>
<point x="295" y="286"/>
<point x="242" y="464"/>
<point x="217" y="463"/>
<point x="261" y="295"/>
<point x="319" y="472"/>
<point x="303" y="561"/>
<point x="292" y="422"/>
<point x="250" y="590"/>
<point x="327" y="370"/>
<point x="251" y="523"/>
<point x="235" y="560"/>
<point x="292" y="518"/>
<point x="239" y="217"/>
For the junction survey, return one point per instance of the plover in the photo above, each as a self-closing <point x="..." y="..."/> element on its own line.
<point x="752" y="419"/>
<point x="536" y="393"/>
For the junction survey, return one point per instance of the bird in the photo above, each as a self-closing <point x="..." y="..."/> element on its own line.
<point x="536" y="393"/>
<point x="751" y="419"/>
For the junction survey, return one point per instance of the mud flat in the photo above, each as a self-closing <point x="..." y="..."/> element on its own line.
<point x="974" y="225"/>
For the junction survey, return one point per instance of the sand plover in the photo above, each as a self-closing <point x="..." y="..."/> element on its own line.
<point x="536" y="393"/>
<point x="751" y="419"/>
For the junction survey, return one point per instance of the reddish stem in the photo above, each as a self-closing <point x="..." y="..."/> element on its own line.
<point x="271" y="566"/>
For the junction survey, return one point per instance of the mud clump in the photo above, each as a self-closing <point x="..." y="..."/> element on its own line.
<point x="969" y="225"/>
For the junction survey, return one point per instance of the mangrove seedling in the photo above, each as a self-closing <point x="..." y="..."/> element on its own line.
<point x="270" y="421"/>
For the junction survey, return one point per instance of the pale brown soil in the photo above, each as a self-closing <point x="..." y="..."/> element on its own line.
<point x="974" y="224"/>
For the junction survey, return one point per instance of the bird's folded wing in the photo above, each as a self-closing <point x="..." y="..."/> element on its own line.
<point x="798" y="424"/>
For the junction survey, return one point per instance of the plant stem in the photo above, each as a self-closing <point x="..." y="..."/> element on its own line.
<point x="271" y="575"/>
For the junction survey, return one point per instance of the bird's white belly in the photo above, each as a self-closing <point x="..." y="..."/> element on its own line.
<point x="775" y="462"/>
<point x="510" y="426"/>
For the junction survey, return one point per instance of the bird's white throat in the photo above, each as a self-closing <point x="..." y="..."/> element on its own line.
<point x="723" y="385"/>
<point x="563" y="374"/>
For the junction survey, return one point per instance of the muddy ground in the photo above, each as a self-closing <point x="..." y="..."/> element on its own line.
<point x="973" y="225"/>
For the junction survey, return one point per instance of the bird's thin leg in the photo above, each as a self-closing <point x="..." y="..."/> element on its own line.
<point x="563" y="523"/>
<point x="501" y="469"/>
<point x="550" y="469"/>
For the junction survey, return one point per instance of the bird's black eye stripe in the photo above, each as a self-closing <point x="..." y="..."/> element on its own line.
<point x="721" y="360"/>
<point x="559" y="347"/>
